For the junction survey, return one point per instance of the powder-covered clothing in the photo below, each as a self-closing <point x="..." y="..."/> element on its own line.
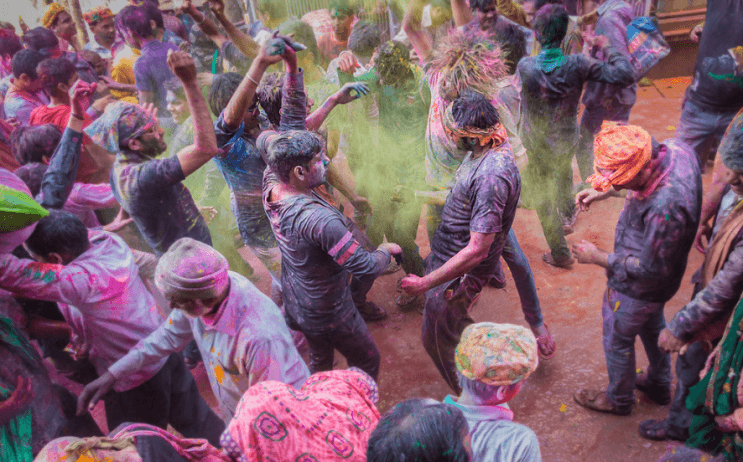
<point x="654" y="235"/>
<point x="122" y="71"/>
<point x="102" y="51"/>
<point x="330" y="47"/>
<point x="86" y="198"/>
<point x="717" y="85"/>
<point x="245" y="342"/>
<point x="152" y="192"/>
<point x="101" y="296"/>
<point x="318" y="256"/>
<point x="550" y="100"/>
<point x="59" y="116"/>
<point x="614" y="17"/>
<point x="495" y="436"/>
<point x="18" y="104"/>
<point x="483" y="200"/>
<point x="722" y="293"/>
<point x="151" y="70"/>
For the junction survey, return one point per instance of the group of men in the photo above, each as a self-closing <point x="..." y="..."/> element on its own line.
<point x="445" y="114"/>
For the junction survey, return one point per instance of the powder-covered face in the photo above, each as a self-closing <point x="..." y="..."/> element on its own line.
<point x="177" y="107"/>
<point x="192" y="308"/>
<point x="488" y="16"/>
<point x="318" y="169"/>
<point x="152" y="142"/>
<point x="65" y="26"/>
<point x="735" y="179"/>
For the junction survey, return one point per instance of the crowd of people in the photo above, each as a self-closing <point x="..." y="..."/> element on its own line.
<point x="135" y="166"/>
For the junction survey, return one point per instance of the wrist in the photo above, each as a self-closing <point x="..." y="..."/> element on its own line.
<point x="74" y="114"/>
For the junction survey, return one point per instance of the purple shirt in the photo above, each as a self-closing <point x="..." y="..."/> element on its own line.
<point x="654" y="234"/>
<point x="483" y="200"/>
<point x="151" y="70"/>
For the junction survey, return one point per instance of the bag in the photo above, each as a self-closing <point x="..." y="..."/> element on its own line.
<point x="646" y="45"/>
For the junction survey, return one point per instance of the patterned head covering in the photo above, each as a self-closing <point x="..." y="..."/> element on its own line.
<point x="624" y="149"/>
<point x="97" y="14"/>
<point x="121" y="123"/>
<point x="51" y="14"/>
<point x="89" y="449"/>
<point x="329" y="419"/>
<point x="192" y="270"/>
<point x="496" y="354"/>
<point x="497" y="133"/>
<point x="731" y="150"/>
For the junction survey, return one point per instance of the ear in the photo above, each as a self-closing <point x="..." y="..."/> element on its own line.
<point x="153" y="25"/>
<point x="134" y="145"/>
<point x="299" y="172"/>
<point x="55" y="258"/>
<point x="62" y="87"/>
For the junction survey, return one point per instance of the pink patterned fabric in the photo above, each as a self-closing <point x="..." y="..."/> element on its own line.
<point x="329" y="419"/>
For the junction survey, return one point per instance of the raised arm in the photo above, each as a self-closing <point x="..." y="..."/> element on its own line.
<point x="411" y="24"/>
<point x="244" y="43"/>
<point x="461" y="12"/>
<point x="206" y="25"/>
<point x="617" y="71"/>
<point x="205" y="142"/>
<point x="349" y="92"/>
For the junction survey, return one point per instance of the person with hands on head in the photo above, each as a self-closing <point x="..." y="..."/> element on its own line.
<point x="654" y="234"/>
<point x="149" y="189"/>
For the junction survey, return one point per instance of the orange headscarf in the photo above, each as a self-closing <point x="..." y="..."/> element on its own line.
<point x="623" y="149"/>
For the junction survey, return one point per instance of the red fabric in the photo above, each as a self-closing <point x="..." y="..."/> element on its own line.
<point x="59" y="116"/>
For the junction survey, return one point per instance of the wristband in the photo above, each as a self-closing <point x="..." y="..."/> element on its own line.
<point x="250" y="77"/>
<point x="72" y="114"/>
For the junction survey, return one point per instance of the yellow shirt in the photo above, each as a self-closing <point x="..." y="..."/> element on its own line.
<point x="122" y="71"/>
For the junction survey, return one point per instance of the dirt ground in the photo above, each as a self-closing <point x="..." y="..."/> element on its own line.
<point x="571" y="304"/>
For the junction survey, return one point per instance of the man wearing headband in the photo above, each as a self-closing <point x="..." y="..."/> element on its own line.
<point x="718" y="289"/>
<point x="654" y="234"/>
<point x="101" y="22"/>
<point x="240" y="332"/>
<point x="59" y="21"/>
<point x="475" y="222"/>
<point x="150" y="189"/>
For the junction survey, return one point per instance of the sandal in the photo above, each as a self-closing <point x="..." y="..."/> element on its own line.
<point x="566" y="263"/>
<point x="545" y="341"/>
<point x="596" y="400"/>
<point x="405" y="300"/>
<point x="656" y="430"/>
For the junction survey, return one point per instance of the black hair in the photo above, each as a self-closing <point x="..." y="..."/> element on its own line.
<point x="32" y="174"/>
<point x="364" y="38"/>
<point x="175" y="86"/>
<point x="512" y="42"/>
<point x="291" y="149"/>
<point x="276" y="10"/>
<point x="59" y="232"/>
<point x="343" y="7"/>
<point x="419" y="429"/>
<point x="154" y="14"/>
<point x="480" y="5"/>
<point x="223" y="87"/>
<point x="53" y="71"/>
<point x="270" y="96"/>
<point x="473" y="109"/>
<point x="33" y="143"/>
<point x="25" y="62"/>
<point x="40" y="39"/>
<point x="538" y="4"/>
<point x="550" y="25"/>
<point x="136" y="20"/>
<point x="10" y="44"/>
<point x="302" y="34"/>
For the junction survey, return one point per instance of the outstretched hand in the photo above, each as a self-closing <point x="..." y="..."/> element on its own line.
<point x="94" y="391"/>
<point x="413" y="285"/>
<point x="182" y="65"/>
<point x="217" y="7"/>
<point x="351" y="92"/>
<point x="347" y="63"/>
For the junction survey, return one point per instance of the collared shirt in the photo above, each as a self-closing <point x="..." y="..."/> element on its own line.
<point x="247" y="342"/>
<point x="152" y="192"/>
<point x="495" y="437"/>
<point x="654" y="234"/>
<point x="101" y="296"/>
<point x="19" y="104"/>
<point x="614" y="17"/>
<point x="103" y="52"/>
<point x="151" y="70"/>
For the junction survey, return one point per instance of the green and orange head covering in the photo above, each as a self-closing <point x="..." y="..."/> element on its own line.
<point x="97" y="14"/>
<point x="51" y="14"/>
<point x="622" y="149"/>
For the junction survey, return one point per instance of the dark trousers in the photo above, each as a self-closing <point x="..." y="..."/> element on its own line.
<point x="445" y="317"/>
<point x="169" y="397"/>
<point x="352" y="339"/>
<point x="688" y="367"/>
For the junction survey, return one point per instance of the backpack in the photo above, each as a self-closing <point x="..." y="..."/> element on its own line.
<point x="646" y="45"/>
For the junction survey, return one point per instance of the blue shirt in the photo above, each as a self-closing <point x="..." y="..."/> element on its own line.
<point x="151" y="70"/>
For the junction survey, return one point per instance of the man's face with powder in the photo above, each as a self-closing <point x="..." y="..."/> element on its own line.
<point x="193" y="308"/>
<point x="487" y="16"/>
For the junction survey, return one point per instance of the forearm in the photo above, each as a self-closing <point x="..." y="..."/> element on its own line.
<point x="600" y="258"/>
<point x="245" y="44"/>
<point x="315" y="120"/>
<point x="337" y="181"/>
<point x="204" y="138"/>
<point x="40" y="328"/>
<point x="411" y="24"/>
<point x="437" y="198"/>
<point x="59" y="178"/>
<point x="293" y="101"/>
<point x="460" y="264"/>
<point x="235" y="110"/>
<point x="461" y="12"/>
<point x="207" y="26"/>
<point x="714" y="196"/>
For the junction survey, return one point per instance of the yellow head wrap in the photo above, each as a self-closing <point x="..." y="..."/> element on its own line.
<point x="51" y="14"/>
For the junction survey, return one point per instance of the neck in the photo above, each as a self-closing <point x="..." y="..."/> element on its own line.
<point x="145" y="41"/>
<point x="479" y="151"/>
<point x="159" y="33"/>
<point x="104" y="43"/>
<point x="284" y="190"/>
<point x="59" y="100"/>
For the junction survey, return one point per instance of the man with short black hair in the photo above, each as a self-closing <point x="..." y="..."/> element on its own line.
<point x="24" y="94"/>
<point x="101" y="23"/>
<point x="334" y="42"/>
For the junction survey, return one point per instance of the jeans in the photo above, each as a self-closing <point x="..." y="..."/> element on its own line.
<point x="624" y="319"/>
<point x="352" y="339"/>
<point x="445" y="317"/>
<point x="590" y="125"/>
<point x="169" y="397"/>
<point x="697" y="125"/>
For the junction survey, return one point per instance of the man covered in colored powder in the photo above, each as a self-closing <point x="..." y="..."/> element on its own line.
<point x="332" y="43"/>
<point x="319" y="254"/>
<point x="468" y="60"/>
<point x="150" y="189"/>
<point x="240" y="332"/>
<point x="653" y="237"/>
<point x="493" y="362"/>
<point x="104" y="42"/>
<point x="551" y="88"/>
<point x="697" y="327"/>
<point x="475" y="222"/>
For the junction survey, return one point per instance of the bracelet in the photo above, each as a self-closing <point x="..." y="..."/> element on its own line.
<point x="76" y="116"/>
<point x="250" y="77"/>
<point x="203" y="18"/>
